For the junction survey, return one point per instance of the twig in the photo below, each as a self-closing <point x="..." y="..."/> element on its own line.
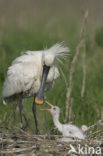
<point x="102" y="113"/>
<point x="18" y="150"/>
<point x="69" y="89"/>
<point x="100" y="122"/>
<point x="72" y="69"/>
<point x="83" y="35"/>
<point x="84" y="72"/>
<point x="65" y="80"/>
<point x="97" y="132"/>
<point x="70" y="108"/>
<point x="12" y="113"/>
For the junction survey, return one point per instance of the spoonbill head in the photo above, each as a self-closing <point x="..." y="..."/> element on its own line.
<point x="54" y="110"/>
<point x="84" y="128"/>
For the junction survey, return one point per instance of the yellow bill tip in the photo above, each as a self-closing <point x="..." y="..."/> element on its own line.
<point x="39" y="102"/>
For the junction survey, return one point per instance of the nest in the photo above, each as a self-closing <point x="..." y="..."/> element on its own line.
<point x="23" y="144"/>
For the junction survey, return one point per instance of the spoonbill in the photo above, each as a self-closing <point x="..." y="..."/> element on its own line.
<point x="67" y="130"/>
<point x="31" y="74"/>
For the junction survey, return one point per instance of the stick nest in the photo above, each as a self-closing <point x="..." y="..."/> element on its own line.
<point x="23" y="144"/>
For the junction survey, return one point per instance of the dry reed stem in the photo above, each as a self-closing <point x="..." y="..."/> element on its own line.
<point x="84" y="72"/>
<point x="70" y="112"/>
<point x="82" y="32"/>
<point x="72" y="69"/>
<point x="83" y="35"/>
<point x="12" y="113"/>
<point x="65" y="80"/>
<point x="102" y="113"/>
<point x="69" y="89"/>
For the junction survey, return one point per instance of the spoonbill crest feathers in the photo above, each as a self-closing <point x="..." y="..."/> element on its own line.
<point x="56" y="52"/>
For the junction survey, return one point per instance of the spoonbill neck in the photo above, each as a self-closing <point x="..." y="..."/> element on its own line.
<point x="57" y="124"/>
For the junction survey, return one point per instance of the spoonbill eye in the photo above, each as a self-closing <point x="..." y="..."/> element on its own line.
<point x="54" y="108"/>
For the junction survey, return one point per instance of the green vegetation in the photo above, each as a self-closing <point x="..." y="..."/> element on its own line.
<point x="36" y="25"/>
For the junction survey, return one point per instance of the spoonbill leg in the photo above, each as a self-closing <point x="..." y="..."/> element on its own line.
<point x="35" y="118"/>
<point x="20" y="104"/>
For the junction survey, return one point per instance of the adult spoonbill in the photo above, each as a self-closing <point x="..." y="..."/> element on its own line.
<point x="66" y="129"/>
<point x="31" y="74"/>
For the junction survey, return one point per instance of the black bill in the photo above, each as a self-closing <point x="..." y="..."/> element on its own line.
<point x="40" y="96"/>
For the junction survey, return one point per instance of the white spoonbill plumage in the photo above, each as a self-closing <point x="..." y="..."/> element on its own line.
<point x="31" y="74"/>
<point x="67" y="130"/>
